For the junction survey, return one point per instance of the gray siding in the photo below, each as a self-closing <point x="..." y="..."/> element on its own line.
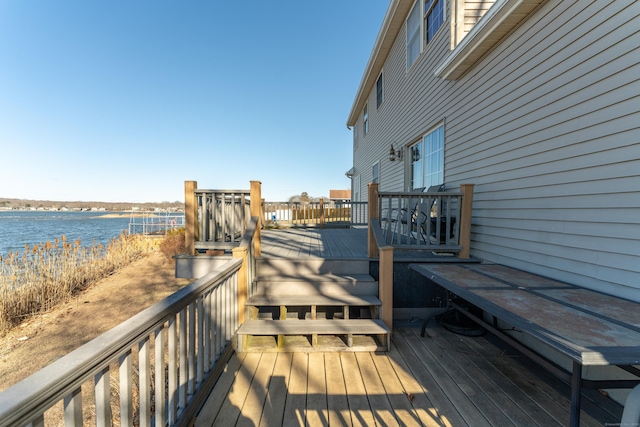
<point x="548" y="128"/>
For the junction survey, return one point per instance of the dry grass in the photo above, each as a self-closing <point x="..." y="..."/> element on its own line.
<point x="47" y="274"/>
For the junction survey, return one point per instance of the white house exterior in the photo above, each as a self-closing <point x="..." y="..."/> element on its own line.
<point x="535" y="102"/>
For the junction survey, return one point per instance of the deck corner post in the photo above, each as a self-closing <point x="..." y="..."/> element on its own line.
<point x="255" y="206"/>
<point x="372" y="206"/>
<point x="385" y="285"/>
<point x="465" y="219"/>
<point x="321" y="208"/>
<point x="190" y="217"/>
<point x="243" y="285"/>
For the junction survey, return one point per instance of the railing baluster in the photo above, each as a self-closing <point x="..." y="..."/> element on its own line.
<point x="73" y="408"/>
<point x="102" y="394"/>
<point x="144" y="378"/>
<point x="172" y="372"/>
<point x="38" y="422"/>
<point x="192" y="350"/>
<point x="160" y="403"/>
<point x="206" y="320"/>
<point x="200" y="339"/>
<point x="184" y="364"/>
<point x="125" y="375"/>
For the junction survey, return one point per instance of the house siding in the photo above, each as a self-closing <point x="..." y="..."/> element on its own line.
<point x="547" y="126"/>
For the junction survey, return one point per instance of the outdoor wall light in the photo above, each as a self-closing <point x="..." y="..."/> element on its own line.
<point x="393" y="154"/>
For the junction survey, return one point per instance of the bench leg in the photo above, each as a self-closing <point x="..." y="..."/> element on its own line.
<point x="576" y="382"/>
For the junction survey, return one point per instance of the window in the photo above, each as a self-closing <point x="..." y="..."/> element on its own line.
<point x="365" y="121"/>
<point x="413" y="35"/>
<point x="379" y="91"/>
<point x="432" y="12"/>
<point x="356" y="189"/>
<point x="427" y="160"/>
<point x="375" y="173"/>
<point x="433" y="18"/>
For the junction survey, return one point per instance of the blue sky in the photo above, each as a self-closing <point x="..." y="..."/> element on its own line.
<point x="125" y="100"/>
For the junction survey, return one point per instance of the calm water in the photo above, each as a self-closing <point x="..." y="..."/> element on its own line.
<point x="18" y="228"/>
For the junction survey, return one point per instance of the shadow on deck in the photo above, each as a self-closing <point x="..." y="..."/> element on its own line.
<point x="440" y="380"/>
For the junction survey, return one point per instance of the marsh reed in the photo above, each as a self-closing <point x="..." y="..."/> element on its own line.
<point x="47" y="274"/>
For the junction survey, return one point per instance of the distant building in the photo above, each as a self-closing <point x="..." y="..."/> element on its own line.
<point x="339" y="194"/>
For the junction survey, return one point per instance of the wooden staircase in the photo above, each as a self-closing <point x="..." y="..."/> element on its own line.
<point x="313" y="305"/>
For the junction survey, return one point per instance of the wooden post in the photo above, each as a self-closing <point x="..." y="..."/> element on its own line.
<point x="465" y="219"/>
<point x="321" y="207"/>
<point x="373" y="213"/>
<point x="190" y="217"/>
<point x="255" y="209"/>
<point x="385" y="285"/>
<point x="243" y="290"/>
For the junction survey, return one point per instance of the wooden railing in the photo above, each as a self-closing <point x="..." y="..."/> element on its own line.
<point x="189" y="333"/>
<point x="343" y="213"/>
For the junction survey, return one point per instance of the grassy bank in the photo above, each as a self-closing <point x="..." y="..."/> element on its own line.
<point x="47" y="274"/>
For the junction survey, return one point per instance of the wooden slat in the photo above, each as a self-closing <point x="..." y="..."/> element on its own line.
<point x="378" y="400"/>
<point x="361" y="414"/>
<point x="323" y="300"/>
<point x="294" y="410"/>
<point x="316" y="412"/>
<point x="439" y="380"/>
<point x="338" y="405"/>
<point x="318" y="326"/>
<point x="277" y="392"/>
<point x="254" y="403"/>
<point x="236" y="395"/>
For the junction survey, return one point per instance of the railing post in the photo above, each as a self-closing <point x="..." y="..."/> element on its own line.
<point x="321" y="207"/>
<point x="373" y="213"/>
<point x="190" y="216"/>
<point x="385" y="285"/>
<point x="465" y="219"/>
<point x="255" y="208"/>
<point x="241" y="252"/>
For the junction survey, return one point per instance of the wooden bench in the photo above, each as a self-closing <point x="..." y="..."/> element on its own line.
<point x="587" y="327"/>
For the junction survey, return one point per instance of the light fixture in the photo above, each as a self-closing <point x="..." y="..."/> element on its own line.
<point x="393" y="154"/>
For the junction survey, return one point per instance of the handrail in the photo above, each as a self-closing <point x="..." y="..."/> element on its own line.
<point x="198" y="328"/>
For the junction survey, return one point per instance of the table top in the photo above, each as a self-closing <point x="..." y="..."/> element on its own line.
<point x="590" y="327"/>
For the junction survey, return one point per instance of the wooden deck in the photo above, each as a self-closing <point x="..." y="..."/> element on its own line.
<point x="315" y="243"/>
<point x="440" y="380"/>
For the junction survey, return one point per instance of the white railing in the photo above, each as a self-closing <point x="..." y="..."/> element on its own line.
<point x="334" y="213"/>
<point x="163" y="361"/>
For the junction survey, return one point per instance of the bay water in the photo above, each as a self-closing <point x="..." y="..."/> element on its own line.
<point x="20" y="228"/>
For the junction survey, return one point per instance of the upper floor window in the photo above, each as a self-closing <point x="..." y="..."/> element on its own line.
<point x="432" y="12"/>
<point x="413" y="35"/>
<point x="433" y="18"/>
<point x="379" y="91"/>
<point x="365" y="120"/>
<point x="427" y="160"/>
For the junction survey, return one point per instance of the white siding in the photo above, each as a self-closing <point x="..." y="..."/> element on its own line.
<point x="548" y="128"/>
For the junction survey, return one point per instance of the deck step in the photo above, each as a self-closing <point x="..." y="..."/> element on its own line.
<point x="313" y="300"/>
<point x="316" y="284"/>
<point x="266" y="266"/>
<point x="313" y="335"/>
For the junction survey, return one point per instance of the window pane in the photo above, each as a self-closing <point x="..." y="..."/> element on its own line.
<point x="434" y="157"/>
<point x="413" y="35"/>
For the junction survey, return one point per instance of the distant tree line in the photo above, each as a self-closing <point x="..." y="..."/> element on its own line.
<point x="8" y="203"/>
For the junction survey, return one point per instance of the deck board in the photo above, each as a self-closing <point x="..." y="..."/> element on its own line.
<point x="442" y="379"/>
<point x="345" y="243"/>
